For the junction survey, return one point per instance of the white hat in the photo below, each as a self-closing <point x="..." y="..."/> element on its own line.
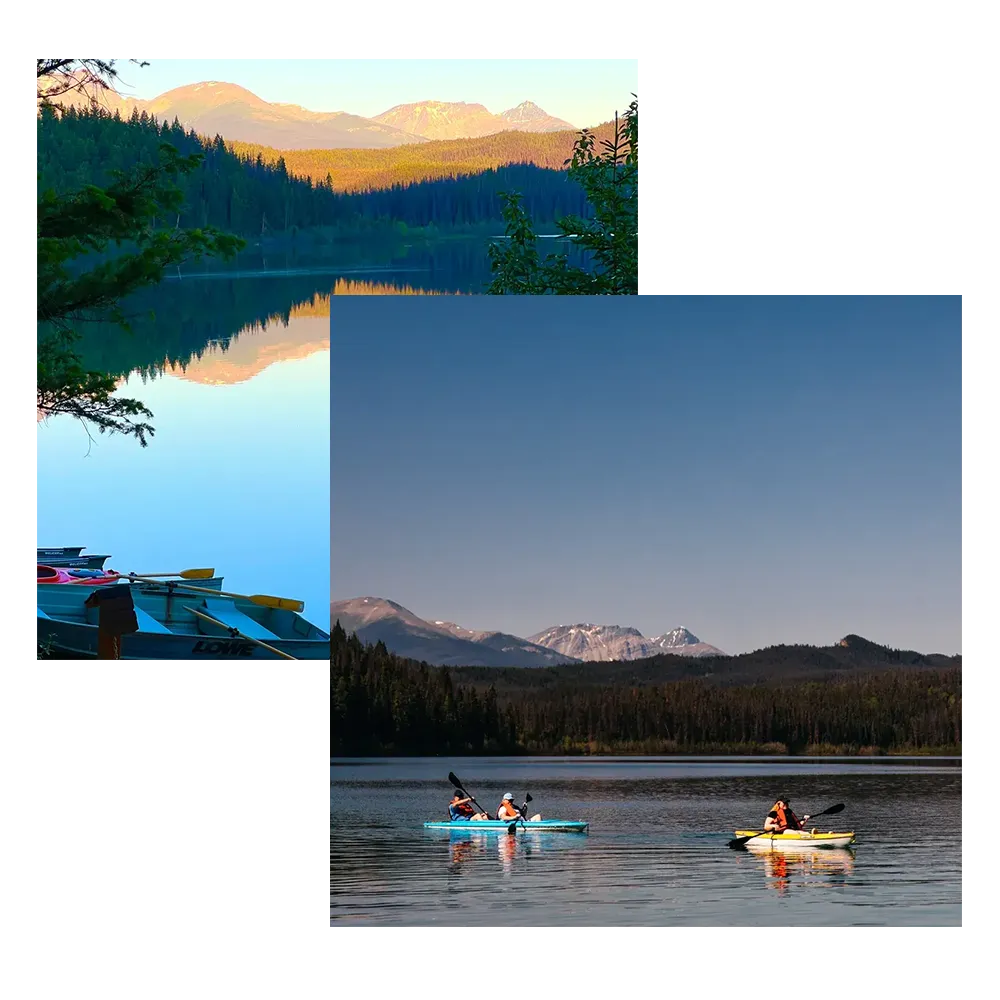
<point x="507" y="796"/>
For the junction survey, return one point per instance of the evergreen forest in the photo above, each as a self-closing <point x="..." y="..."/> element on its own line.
<point x="245" y="192"/>
<point x="383" y="704"/>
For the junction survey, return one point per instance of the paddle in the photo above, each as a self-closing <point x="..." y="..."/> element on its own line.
<point x="513" y="826"/>
<point x="236" y="632"/>
<point x="461" y="788"/>
<point x="184" y="574"/>
<point x="738" y="842"/>
<point x="264" y="600"/>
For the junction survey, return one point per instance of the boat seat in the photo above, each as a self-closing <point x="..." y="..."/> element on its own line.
<point x="226" y="612"/>
<point x="147" y="623"/>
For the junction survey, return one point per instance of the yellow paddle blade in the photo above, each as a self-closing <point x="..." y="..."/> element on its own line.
<point x="285" y="603"/>
<point x="264" y="600"/>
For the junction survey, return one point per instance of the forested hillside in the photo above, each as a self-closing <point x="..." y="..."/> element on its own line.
<point x="366" y="169"/>
<point x="381" y="703"/>
<point x="254" y="196"/>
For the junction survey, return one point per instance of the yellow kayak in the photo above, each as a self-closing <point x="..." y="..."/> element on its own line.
<point x="796" y="840"/>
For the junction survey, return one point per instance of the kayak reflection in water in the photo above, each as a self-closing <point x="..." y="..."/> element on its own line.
<point x="465" y="848"/>
<point x="781" y="817"/>
<point x="460" y="809"/>
<point x="832" y="867"/>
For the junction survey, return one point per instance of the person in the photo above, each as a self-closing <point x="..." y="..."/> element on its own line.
<point x="781" y="817"/>
<point x="460" y="809"/>
<point x="507" y="810"/>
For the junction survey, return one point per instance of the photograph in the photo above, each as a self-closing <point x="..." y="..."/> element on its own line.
<point x="646" y="611"/>
<point x="183" y="416"/>
<point x="379" y="176"/>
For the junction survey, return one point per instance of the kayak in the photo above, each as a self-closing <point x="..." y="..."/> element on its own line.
<point x="95" y="577"/>
<point x="72" y="556"/>
<point x="471" y="825"/>
<point x="796" y="840"/>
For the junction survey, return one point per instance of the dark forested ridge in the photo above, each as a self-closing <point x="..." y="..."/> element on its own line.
<point x="861" y="702"/>
<point x="252" y="195"/>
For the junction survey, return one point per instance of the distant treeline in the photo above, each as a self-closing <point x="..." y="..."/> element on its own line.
<point x="253" y="196"/>
<point x="381" y="703"/>
<point x="373" y="169"/>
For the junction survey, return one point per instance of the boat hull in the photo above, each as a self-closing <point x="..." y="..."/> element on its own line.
<point x="81" y="640"/>
<point x="71" y="558"/>
<point x="501" y="826"/>
<point x="168" y="630"/>
<point x="796" y="840"/>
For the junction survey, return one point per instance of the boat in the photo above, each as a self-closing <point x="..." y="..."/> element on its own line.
<point x="796" y="840"/>
<point x="55" y="574"/>
<point x="71" y="556"/>
<point x="497" y="825"/>
<point x="178" y="624"/>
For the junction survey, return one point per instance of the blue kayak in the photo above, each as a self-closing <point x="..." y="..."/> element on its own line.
<point x="471" y="826"/>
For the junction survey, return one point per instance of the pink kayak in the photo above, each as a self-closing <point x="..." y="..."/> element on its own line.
<point x="91" y="577"/>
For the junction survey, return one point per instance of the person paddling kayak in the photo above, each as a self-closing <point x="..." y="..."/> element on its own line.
<point x="460" y="809"/>
<point x="781" y="817"/>
<point x="507" y="810"/>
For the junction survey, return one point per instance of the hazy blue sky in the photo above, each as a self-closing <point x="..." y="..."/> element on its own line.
<point x="582" y="92"/>
<point x="761" y="470"/>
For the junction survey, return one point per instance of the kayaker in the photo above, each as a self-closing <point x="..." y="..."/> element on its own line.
<point x="781" y="818"/>
<point x="460" y="809"/>
<point x="507" y="810"/>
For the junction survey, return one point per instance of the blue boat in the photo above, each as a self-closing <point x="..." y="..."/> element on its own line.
<point x="176" y="623"/>
<point x="498" y="826"/>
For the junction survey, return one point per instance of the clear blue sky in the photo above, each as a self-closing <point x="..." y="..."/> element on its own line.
<point x="761" y="470"/>
<point x="583" y="92"/>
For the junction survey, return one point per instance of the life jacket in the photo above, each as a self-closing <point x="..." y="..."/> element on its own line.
<point x="508" y="810"/>
<point x="786" y="818"/>
<point x="465" y="809"/>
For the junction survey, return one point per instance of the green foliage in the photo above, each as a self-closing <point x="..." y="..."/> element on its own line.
<point x="610" y="180"/>
<point x="96" y="245"/>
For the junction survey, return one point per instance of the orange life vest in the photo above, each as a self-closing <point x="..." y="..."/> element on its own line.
<point x="507" y="810"/>
<point x="787" y="819"/>
<point x="465" y="809"/>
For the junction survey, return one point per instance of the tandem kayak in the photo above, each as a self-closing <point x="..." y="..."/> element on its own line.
<point x="471" y="826"/>
<point x="796" y="840"/>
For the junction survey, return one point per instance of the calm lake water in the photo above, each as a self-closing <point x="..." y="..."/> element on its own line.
<point x="656" y="851"/>
<point x="386" y="265"/>
<point x="237" y="476"/>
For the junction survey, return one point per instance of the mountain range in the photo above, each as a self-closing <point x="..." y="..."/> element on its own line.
<point x="616" y="642"/>
<point x="227" y="109"/>
<point x="443" y="643"/>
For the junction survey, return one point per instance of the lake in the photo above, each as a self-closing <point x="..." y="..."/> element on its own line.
<point x="237" y="476"/>
<point x="383" y="264"/>
<point x="656" y="852"/>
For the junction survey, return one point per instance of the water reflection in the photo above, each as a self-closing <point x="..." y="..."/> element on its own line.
<point x="815" y="867"/>
<point x="452" y="264"/>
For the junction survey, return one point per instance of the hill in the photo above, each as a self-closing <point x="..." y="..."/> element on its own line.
<point x="365" y="169"/>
